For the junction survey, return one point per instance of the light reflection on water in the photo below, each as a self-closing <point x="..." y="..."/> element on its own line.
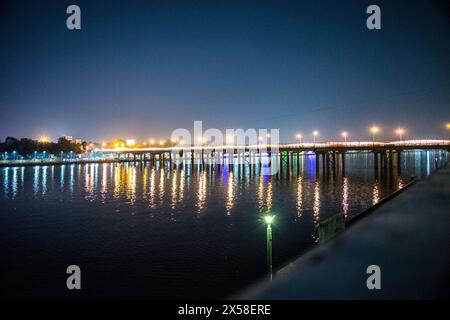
<point x="202" y="228"/>
<point x="164" y="187"/>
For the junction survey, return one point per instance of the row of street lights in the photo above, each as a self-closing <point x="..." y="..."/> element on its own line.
<point x="374" y="130"/>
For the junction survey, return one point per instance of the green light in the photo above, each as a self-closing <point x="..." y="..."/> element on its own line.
<point x="268" y="219"/>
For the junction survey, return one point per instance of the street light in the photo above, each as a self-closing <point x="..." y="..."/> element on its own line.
<point x="299" y="137"/>
<point x="400" y="132"/>
<point x="374" y="131"/>
<point x="269" y="219"/>
<point x="345" y="134"/>
<point x="315" y="134"/>
<point x="448" y="128"/>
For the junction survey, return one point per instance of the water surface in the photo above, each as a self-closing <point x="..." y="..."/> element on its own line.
<point x="139" y="231"/>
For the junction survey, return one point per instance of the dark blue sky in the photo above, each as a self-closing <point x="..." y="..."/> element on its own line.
<point x="143" y="68"/>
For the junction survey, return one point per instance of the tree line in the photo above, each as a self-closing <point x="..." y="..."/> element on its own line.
<point x="27" y="147"/>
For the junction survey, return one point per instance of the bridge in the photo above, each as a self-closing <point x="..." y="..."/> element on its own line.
<point x="329" y="154"/>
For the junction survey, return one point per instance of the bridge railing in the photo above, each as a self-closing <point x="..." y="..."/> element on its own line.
<point x="305" y="145"/>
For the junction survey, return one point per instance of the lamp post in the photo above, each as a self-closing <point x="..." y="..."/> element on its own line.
<point x="374" y="131"/>
<point x="315" y="134"/>
<point x="400" y="132"/>
<point x="345" y="134"/>
<point x="448" y="128"/>
<point x="269" y="219"/>
<point x="299" y="137"/>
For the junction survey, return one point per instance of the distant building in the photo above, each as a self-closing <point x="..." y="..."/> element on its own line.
<point x="78" y="141"/>
<point x="68" y="138"/>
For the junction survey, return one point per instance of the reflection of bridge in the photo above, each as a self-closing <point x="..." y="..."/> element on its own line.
<point x="386" y="154"/>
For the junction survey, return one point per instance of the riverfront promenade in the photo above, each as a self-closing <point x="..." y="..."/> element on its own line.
<point x="407" y="237"/>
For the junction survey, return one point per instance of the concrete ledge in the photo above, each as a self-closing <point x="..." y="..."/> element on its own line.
<point x="408" y="237"/>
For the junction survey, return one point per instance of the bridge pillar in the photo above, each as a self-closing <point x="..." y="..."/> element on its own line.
<point x="334" y="161"/>
<point x="293" y="161"/>
<point x="288" y="164"/>
<point x="343" y="163"/>
<point x="391" y="160"/>
<point x="223" y="158"/>
<point x="383" y="160"/>
<point x="317" y="155"/>
<point x="399" y="162"/>
<point x="280" y="168"/>
<point x="375" y="162"/>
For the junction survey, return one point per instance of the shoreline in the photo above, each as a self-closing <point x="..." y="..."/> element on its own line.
<point x="32" y="163"/>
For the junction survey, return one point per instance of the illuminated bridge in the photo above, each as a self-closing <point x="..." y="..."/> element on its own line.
<point x="330" y="154"/>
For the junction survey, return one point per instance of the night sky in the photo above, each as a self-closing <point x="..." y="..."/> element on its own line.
<point x="139" y="69"/>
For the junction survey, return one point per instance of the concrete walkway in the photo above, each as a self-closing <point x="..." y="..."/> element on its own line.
<point x="408" y="238"/>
